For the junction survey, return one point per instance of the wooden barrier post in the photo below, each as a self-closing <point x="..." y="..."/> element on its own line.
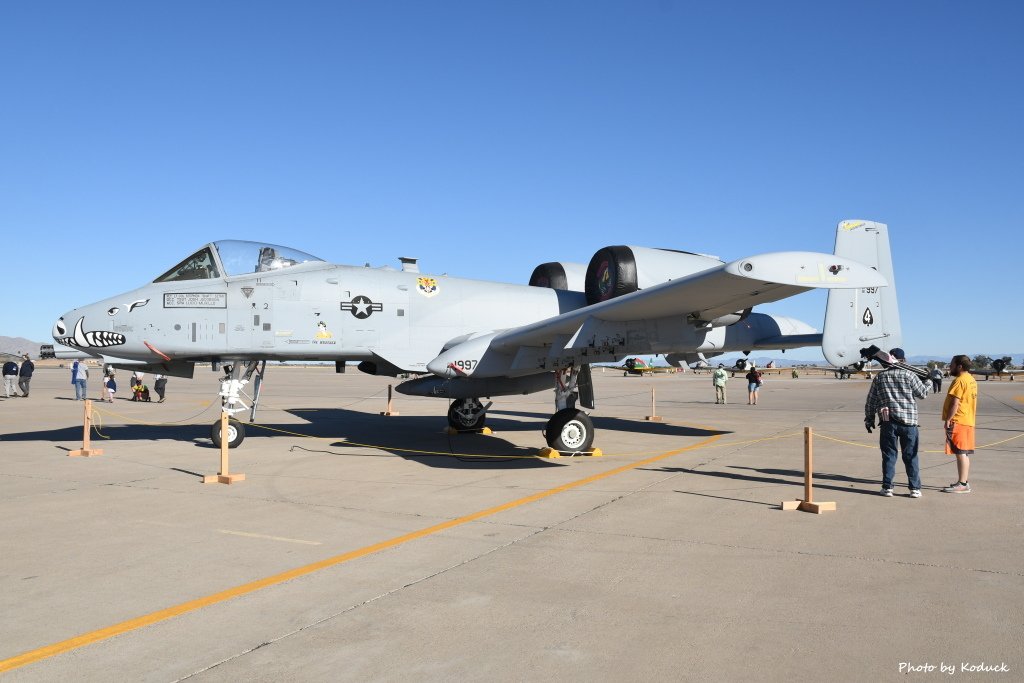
<point x="808" y="465"/>
<point x="85" y="450"/>
<point x="653" y="417"/>
<point x="224" y="476"/>
<point x="389" y="412"/>
<point x="808" y="504"/>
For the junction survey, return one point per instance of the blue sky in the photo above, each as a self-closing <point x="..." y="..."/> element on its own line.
<point x="486" y="138"/>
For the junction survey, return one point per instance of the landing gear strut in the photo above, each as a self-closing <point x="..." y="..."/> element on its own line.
<point x="569" y="430"/>
<point x="467" y="415"/>
<point x="236" y="376"/>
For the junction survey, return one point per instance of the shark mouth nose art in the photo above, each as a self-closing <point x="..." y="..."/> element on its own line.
<point x="82" y="339"/>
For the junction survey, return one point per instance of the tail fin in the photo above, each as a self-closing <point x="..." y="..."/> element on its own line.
<point x="856" y="318"/>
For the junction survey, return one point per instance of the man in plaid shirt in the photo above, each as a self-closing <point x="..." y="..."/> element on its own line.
<point x="893" y="397"/>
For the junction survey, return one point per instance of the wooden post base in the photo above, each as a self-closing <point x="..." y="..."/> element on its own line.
<point x="223" y="478"/>
<point x="804" y="506"/>
<point x="390" y="413"/>
<point x="654" y="418"/>
<point x="85" y="452"/>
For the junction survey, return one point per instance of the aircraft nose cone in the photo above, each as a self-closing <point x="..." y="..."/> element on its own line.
<point x="60" y="328"/>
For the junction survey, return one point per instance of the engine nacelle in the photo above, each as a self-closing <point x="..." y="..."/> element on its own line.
<point x="559" y="275"/>
<point x="614" y="271"/>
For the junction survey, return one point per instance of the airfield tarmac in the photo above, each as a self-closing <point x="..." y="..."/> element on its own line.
<point x="666" y="559"/>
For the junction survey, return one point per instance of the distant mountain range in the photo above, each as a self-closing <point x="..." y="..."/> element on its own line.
<point x="17" y="345"/>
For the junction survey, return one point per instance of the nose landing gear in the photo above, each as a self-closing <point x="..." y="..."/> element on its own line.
<point x="236" y="376"/>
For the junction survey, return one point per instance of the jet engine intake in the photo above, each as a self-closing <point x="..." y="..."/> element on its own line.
<point x="557" y="275"/>
<point x="618" y="270"/>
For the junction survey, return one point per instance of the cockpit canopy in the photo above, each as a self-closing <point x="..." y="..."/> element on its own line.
<point x="235" y="257"/>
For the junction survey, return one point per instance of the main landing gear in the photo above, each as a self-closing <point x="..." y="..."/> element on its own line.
<point x="236" y="376"/>
<point x="569" y="430"/>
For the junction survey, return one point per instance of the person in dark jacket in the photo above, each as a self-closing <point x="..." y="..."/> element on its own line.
<point x="10" y="377"/>
<point x="25" y="375"/>
<point x="161" y="386"/>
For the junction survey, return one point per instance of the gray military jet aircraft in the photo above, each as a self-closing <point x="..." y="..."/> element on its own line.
<point x="238" y="304"/>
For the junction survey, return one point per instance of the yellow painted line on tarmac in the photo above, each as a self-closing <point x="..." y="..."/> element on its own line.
<point x="96" y="636"/>
<point x="269" y="538"/>
<point x="1019" y="398"/>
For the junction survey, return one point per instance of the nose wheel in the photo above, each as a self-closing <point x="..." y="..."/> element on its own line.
<point x="235" y="433"/>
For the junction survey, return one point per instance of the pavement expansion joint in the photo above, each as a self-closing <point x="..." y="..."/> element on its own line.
<point x="368" y="601"/>
<point x="535" y="532"/>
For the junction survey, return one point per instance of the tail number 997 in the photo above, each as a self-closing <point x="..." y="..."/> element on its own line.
<point x="465" y="365"/>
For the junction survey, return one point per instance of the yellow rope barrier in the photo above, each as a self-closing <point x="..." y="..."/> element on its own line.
<point x="862" y="445"/>
<point x="98" y="425"/>
<point x="154" y="424"/>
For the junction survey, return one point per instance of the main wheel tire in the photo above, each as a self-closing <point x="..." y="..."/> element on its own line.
<point x="236" y="433"/>
<point x="570" y="431"/>
<point x="466" y="416"/>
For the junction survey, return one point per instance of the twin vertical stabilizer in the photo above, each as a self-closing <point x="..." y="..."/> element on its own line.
<point x="857" y="318"/>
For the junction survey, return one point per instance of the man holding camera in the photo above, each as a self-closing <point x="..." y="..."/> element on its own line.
<point x="893" y="398"/>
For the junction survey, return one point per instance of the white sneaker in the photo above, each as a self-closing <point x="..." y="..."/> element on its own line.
<point x="915" y="493"/>
<point x="886" y="492"/>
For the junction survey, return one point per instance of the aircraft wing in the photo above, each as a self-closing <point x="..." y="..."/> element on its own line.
<point x="709" y="294"/>
<point x="640" y="321"/>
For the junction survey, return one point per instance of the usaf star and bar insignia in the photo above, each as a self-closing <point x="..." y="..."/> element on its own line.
<point x="361" y="307"/>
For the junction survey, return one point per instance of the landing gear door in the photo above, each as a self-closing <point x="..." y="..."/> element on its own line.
<point x="586" y="388"/>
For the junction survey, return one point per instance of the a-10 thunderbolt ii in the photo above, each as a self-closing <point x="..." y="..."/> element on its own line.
<point x="239" y="304"/>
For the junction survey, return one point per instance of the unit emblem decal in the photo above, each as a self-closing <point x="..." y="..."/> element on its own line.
<point x="247" y="291"/>
<point x="868" y="319"/>
<point x="427" y="286"/>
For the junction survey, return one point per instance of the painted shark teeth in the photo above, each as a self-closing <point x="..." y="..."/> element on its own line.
<point x="94" y="339"/>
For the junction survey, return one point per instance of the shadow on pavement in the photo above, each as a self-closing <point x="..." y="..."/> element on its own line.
<point x="357" y="434"/>
<point x="797" y="478"/>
